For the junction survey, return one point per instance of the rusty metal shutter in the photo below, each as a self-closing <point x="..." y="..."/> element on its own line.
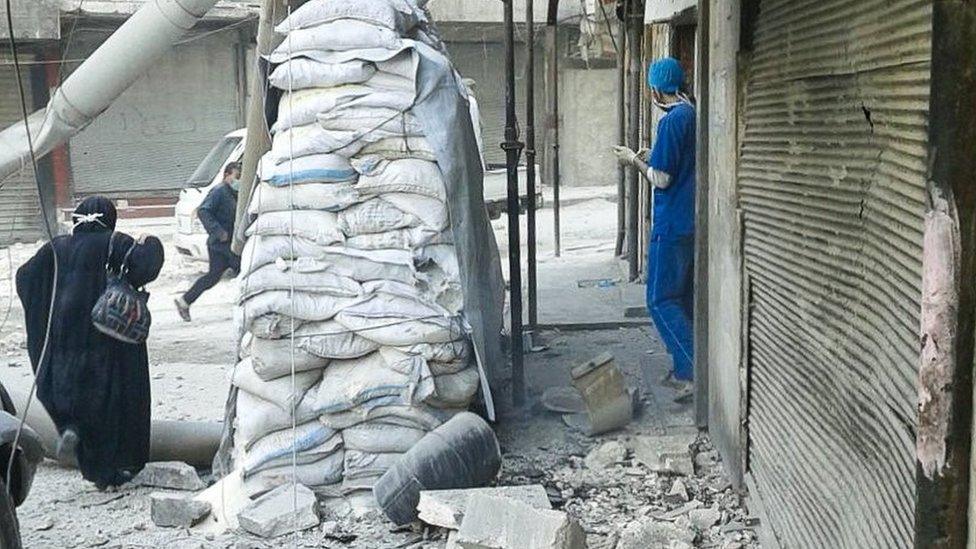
<point x="832" y="175"/>
<point x="20" y="209"/>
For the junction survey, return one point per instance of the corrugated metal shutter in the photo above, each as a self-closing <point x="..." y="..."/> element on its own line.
<point x="484" y="62"/>
<point x="832" y="176"/>
<point x="154" y="135"/>
<point x="20" y="210"/>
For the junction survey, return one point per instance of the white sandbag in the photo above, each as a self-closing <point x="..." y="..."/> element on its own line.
<point x="430" y="211"/>
<point x="393" y="121"/>
<point x="331" y="340"/>
<point x="347" y="384"/>
<point x="313" y="196"/>
<point x="314" y="139"/>
<point x="257" y="418"/>
<point x="342" y="35"/>
<point x="359" y="464"/>
<point x="450" y="351"/>
<point x="363" y="265"/>
<point x="301" y="107"/>
<point x="302" y="73"/>
<point x="270" y="326"/>
<point x="409" y="175"/>
<point x="323" y="472"/>
<point x="397" y="15"/>
<point x="361" y="484"/>
<point x="260" y="251"/>
<point x="409" y="238"/>
<point x="397" y="148"/>
<point x="439" y="276"/>
<point x="272" y="358"/>
<point x="374" y="216"/>
<point x="378" y="437"/>
<point x="283" y="392"/>
<point x="314" y="168"/>
<point x="444" y="255"/>
<point x="318" y="226"/>
<point x="280" y="276"/>
<point x="417" y="415"/>
<point x="455" y="390"/>
<point x="395" y="321"/>
<point x="299" y="305"/>
<point x="311" y="441"/>
<point x="398" y="359"/>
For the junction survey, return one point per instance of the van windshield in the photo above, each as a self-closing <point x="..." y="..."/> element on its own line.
<point x="213" y="162"/>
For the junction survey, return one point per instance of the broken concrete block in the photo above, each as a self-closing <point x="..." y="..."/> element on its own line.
<point x="609" y="405"/>
<point x="703" y="519"/>
<point x="678" y="492"/>
<point x="667" y="454"/>
<point x="646" y="533"/>
<point x="605" y="455"/>
<point x="286" y="509"/>
<point x="446" y="508"/>
<point x="500" y="523"/>
<point x="176" y="510"/>
<point x="172" y="475"/>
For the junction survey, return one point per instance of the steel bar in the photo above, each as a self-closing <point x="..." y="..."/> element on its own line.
<point x="634" y="29"/>
<point x="530" y="154"/>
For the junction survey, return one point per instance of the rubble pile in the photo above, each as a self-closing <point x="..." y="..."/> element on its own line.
<point x="350" y="303"/>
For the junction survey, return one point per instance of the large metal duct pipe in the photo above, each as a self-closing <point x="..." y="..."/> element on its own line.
<point x="110" y="70"/>
<point x="193" y="442"/>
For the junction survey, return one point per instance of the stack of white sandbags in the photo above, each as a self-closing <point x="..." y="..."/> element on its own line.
<point x="350" y="288"/>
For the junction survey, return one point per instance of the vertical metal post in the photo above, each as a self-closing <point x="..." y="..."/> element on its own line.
<point x="530" y="154"/>
<point x="552" y="77"/>
<point x="513" y="149"/>
<point x="635" y="23"/>
<point x="621" y="138"/>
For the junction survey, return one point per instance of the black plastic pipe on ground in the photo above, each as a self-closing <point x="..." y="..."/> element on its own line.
<point x="530" y="154"/>
<point x="513" y="149"/>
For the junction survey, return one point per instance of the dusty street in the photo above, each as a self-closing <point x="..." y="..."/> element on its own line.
<point x="189" y="364"/>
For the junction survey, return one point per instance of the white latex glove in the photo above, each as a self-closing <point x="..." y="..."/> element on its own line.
<point x="624" y="154"/>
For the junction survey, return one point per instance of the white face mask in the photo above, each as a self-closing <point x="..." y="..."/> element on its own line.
<point x="235" y="184"/>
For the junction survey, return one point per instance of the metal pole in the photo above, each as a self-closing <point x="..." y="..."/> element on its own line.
<point x="553" y="84"/>
<point x="621" y="138"/>
<point x="513" y="149"/>
<point x="530" y="153"/>
<point x="634" y="26"/>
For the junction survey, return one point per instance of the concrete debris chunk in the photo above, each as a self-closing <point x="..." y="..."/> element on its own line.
<point x="500" y="523"/>
<point x="678" y="492"/>
<point x="176" y="510"/>
<point x="666" y="454"/>
<point x="276" y="513"/>
<point x="647" y="533"/>
<point x="446" y="508"/>
<point x="605" y="455"/>
<point x="703" y="519"/>
<point x="171" y="475"/>
<point x="609" y="404"/>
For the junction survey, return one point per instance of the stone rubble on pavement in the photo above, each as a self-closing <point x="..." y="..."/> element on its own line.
<point x="286" y="509"/>
<point x="176" y="510"/>
<point x="171" y="475"/>
<point x="492" y="522"/>
<point x="446" y="508"/>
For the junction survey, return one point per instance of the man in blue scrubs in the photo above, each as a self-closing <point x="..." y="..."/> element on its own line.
<point x="670" y="168"/>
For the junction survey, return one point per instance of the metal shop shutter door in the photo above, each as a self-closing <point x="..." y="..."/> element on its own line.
<point x="832" y="174"/>
<point x="153" y="136"/>
<point x="20" y="207"/>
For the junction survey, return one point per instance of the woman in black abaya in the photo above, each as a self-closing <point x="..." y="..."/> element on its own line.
<point x="95" y="388"/>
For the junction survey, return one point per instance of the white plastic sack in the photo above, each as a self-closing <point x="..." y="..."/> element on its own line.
<point x="379" y="437"/>
<point x="363" y="382"/>
<point x="314" y="139"/>
<point x="392" y="121"/>
<point x="450" y="351"/>
<point x="315" y="168"/>
<point x="455" y="390"/>
<point x="397" y="148"/>
<point x="272" y="358"/>
<point x="374" y="216"/>
<point x="409" y="175"/>
<point x="409" y="238"/>
<point x="301" y="107"/>
<point x="430" y="211"/>
<point x="301" y="73"/>
<point x="324" y="472"/>
<point x="283" y="392"/>
<point x="271" y="326"/>
<point x="363" y="265"/>
<point x="397" y="15"/>
<point x="396" y="321"/>
<point x="312" y="196"/>
<point x="299" y="305"/>
<point x="359" y="464"/>
<point x="260" y="251"/>
<point x="311" y="441"/>
<point x="318" y="226"/>
<point x="331" y="340"/>
<point x="342" y="35"/>
<point x="280" y="276"/>
<point x="256" y="417"/>
<point x="417" y="415"/>
<point x="397" y="359"/>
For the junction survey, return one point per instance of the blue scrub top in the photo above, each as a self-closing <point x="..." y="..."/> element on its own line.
<point x="674" y="153"/>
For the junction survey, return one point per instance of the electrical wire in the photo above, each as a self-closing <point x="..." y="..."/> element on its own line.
<point x="50" y="234"/>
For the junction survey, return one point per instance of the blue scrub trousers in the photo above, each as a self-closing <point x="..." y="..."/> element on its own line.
<point x="670" y="298"/>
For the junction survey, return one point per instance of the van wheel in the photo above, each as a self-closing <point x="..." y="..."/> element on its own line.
<point x="9" y="528"/>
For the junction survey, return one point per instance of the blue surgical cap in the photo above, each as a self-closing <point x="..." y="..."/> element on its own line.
<point x="666" y="75"/>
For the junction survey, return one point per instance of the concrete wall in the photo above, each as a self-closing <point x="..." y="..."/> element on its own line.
<point x="725" y="273"/>
<point x="588" y="112"/>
